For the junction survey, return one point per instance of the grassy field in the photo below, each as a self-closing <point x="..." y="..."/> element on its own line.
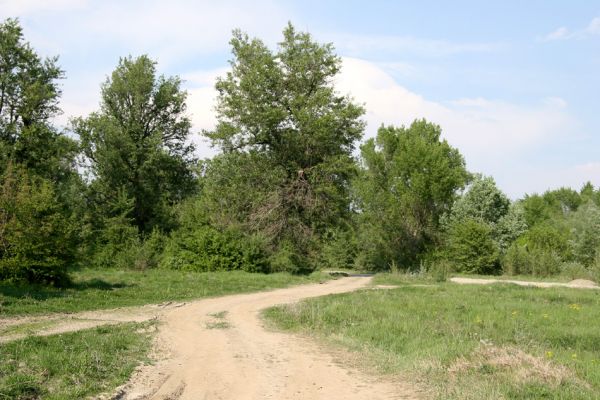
<point x="72" y="365"/>
<point x="465" y="342"/>
<point x="98" y="289"/>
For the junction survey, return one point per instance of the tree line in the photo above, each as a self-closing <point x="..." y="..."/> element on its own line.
<point x="122" y="187"/>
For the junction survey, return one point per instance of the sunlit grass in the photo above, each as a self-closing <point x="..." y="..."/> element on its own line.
<point x="97" y="289"/>
<point x="466" y="342"/>
<point x="72" y="365"/>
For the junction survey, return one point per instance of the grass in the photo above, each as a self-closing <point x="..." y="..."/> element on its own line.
<point x="72" y="365"/>
<point x="465" y="342"/>
<point x="98" y="289"/>
<point x="26" y="328"/>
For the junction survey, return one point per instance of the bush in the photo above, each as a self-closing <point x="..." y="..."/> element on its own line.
<point x="209" y="249"/>
<point x="546" y="237"/>
<point x="574" y="270"/>
<point x="439" y="270"/>
<point x="117" y="245"/>
<point x="585" y="227"/>
<point x="338" y="250"/>
<point x="471" y="248"/>
<point x="522" y="261"/>
<point x="37" y="242"/>
<point x="594" y="268"/>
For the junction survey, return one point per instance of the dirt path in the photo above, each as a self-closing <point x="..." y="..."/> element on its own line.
<point x="219" y="349"/>
<point x="577" y="284"/>
<point x="43" y="325"/>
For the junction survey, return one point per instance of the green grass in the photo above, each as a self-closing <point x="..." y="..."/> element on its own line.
<point x="465" y="342"/>
<point x="72" y="365"/>
<point x="98" y="289"/>
<point x="26" y="328"/>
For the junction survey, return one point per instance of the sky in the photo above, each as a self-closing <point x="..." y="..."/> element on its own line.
<point x="514" y="85"/>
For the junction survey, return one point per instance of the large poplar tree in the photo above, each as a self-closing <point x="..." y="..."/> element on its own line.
<point x="286" y="137"/>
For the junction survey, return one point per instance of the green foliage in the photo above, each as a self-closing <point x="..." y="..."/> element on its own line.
<point x="538" y="261"/>
<point x="548" y="238"/>
<point x="37" y="242"/>
<point x="483" y="202"/>
<point x="280" y="116"/>
<point x="136" y="144"/>
<point x="29" y="92"/>
<point x="205" y="248"/>
<point x="584" y="240"/>
<point x="471" y="248"/>
<point x="409" y="179"/>
<point x="339" y="249"/>
<point x="510" y="227"/>
<point x="574" y="270"/>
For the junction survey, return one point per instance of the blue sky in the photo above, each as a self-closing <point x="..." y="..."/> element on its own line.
<point x="514" y="84"/>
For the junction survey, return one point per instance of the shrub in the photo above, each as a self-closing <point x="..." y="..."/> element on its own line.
<point x="117" y="245"/>
<point x="471" y="248"/>
<point x="520" y="260"/>
<point x="338" y="250"/>
<point x="439" y="270"/>
<point x="209" y="249"/>
<point x="37" y="242"/>
<point x="585" y="226"/>
<point x="574" y="270"/>
<point x="546" y="237"/>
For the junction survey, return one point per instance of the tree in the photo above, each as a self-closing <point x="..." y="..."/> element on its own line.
<point x="29" y="92"/>
<point x="29" y="95"/>
<point x="37" y="243"/>
<point x="41" y="189"/>
<point x="137" y="143"/>
<point x="279" y="114"/>
<point x="482" y="201"/>
<point x="510" y="227"/>
<point x="409" y="179"/>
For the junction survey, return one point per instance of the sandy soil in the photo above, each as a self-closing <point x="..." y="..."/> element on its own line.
<point x="19" y="327"/>
<point x="219" y="349"/>
<point x="577" y="283"/>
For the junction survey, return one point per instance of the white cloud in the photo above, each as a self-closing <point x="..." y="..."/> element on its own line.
<point x="594" y="26"/>
<point x="560" y="33"/>
<point x="563" y="33"/>
<point x="477" y="125"/>
<point x="494" y="136"/>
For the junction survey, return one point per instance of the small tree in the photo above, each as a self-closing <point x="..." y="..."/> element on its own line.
<point x="37" y="243"/>
<point x="472" y="249"/>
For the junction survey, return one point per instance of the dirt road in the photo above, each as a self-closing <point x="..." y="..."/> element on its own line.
<point x="219" y="349"/>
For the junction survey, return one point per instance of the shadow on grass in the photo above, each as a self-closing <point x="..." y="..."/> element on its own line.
<point x="40" y="292"/>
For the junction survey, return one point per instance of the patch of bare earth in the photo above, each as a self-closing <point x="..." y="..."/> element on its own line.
<point x="219" y="349"/>
<point x="17" y="328"/>
<point x="576" y="284"/>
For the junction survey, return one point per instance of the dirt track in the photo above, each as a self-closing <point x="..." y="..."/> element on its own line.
<point x="576" y="284"/>
<point x="219" y="349"/>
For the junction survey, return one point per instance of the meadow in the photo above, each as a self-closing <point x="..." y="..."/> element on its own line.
<point x="463" y="342"/>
